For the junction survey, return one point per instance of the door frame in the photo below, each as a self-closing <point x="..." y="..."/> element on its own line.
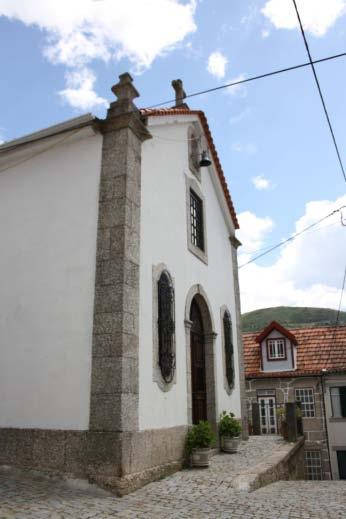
<point x="199" y="396"/>
<point x="201" y="298"/>
<point x="267" y="408"/>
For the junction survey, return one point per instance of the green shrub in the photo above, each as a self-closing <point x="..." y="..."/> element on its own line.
<point x="200" y="436"/>
<point x="229" y="425"/>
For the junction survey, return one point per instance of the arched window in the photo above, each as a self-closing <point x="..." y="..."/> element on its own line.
<point x="227" y="330"/>
<point x="166" y="327"/>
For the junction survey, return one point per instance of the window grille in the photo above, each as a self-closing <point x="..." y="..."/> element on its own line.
<point x="196" y="219"/>
<point x="276" y="349"/>
<point x="313" y="465"/>
<point x="306" y="397"/>
<point x="338" y="399"/>
<point x="227" y="330"/>
<point x="166" y="327"/>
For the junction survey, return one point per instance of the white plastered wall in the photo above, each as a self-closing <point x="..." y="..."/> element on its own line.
<point x="48" y="224"/>
<point x="164" y="240"/>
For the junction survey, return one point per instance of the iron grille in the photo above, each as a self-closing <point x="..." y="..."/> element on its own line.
<point x="196" y="218"/>
<point x="313" y="465"/>
<point x="305" y="396"/>
<point x="227" y="327"/>
<point x="166" y="327"/>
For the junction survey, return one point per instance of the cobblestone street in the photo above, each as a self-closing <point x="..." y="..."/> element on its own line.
<point x="189" y="494"/>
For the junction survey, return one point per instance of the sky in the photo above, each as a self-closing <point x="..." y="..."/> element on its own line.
<point x="59" y="60"/>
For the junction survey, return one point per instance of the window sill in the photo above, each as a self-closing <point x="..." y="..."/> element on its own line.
<point x="200" y="254"/>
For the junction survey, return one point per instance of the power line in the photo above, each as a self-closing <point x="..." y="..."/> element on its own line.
<point x="312" y="63"/>
<point x="337" y="319"/>
<point x="253" y="78"/>
<point x="333" y="224"/>
<point x="292" y="237"/>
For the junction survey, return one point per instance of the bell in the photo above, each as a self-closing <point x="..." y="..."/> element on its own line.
<point x="205" y="160"/>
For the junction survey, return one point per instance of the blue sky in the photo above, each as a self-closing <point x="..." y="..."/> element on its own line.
<point x="60" y="59"/>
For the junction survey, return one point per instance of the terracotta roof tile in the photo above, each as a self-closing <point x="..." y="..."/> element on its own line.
<point x="317" y="349"/>
<point x="205" y="126"/>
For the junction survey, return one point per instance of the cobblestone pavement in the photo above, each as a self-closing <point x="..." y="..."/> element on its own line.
<point x="189" y="494"/>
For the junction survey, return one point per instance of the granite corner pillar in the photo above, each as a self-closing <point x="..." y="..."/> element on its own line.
<point x="114" y="373"/>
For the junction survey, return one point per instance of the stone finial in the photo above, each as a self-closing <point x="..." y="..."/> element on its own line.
<point x="124" y="90"/>
<point x="180" y="94"/>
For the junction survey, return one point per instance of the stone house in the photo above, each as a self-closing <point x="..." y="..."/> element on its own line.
<point x="119" y="318"/>
<point x="306" y="365"/>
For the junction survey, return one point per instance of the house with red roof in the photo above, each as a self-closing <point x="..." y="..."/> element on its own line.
<point x="119" y="303"/>
<point x="306" y="365"/>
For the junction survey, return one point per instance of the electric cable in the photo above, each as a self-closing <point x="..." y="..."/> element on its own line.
<point x="293" y="237"/>
<point x="312" y="63"/>
<point x="248" y="80"/>
<point x="333" y="224"/>
<point x="332" y="343"/>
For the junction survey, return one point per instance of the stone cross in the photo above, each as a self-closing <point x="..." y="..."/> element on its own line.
<point x="180" y="94"/>
<point x="125" y="89"/>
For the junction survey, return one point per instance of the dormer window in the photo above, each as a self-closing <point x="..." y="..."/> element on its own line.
<point x="276" y="349"/>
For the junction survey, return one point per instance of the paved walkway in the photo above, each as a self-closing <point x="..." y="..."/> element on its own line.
<point x="189" y="494"/>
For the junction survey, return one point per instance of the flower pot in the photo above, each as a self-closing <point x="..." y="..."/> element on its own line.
<point x="229" y="444"/>
<point x="200" y="457"/>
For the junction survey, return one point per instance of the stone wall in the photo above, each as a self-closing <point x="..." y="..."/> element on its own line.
<point x="314" y="428"/>
<point x="120" y="462"/>
<point x="286" y="463"/>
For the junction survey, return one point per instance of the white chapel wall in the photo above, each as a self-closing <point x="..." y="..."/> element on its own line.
<point x="48" y="223"/>
<point x="164" y="240"/>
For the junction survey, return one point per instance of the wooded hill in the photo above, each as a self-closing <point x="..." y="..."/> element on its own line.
<point x="290" y="317"/>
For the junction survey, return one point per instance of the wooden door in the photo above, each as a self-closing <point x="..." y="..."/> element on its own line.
<point x="198" y="372"/>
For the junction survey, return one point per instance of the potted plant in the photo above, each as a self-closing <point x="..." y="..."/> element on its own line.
<point x="229" y="429"/>
<point x="198" y="441"/>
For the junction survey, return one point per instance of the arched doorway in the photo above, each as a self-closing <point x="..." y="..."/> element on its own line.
<point x="198" y="368"/>
<point x="200" y="358"/>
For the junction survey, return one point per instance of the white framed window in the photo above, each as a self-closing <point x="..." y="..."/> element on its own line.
<point x="313" y="465"/>
<point x="338" y="400"/>
<point x="196" y="220"/>
<point x="276" y="349"/>
<point x="305" y="395"/>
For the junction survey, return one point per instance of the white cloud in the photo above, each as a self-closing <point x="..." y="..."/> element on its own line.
<point x="265" y="33"/>
<point x="217" y="64"/>
<point x="317" y="16"/>
<point x="244" y="148"/>
<point x="79" y="31"/>
<point x="80" y="90"/>
<point x="236" y="89"/>
<point x="261" y="183"/>
<point x="308" y="271"/>
<point x="253" y="230"/>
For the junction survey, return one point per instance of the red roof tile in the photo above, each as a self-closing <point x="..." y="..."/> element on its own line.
<point x="320" y="348"/>
<point x="205" y="126"/>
